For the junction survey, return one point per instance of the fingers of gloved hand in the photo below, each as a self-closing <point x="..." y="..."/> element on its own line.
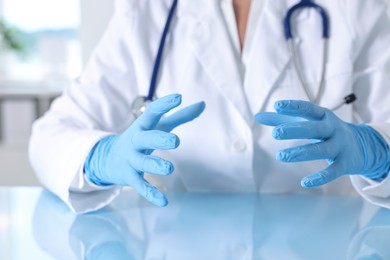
<point x="149" y="192"/>
<point x="154" y="139"/>
<point x="275" y="119"/>
<point x="183" y="116"/>
<point x="325" y="176"/>
<point x="155" y="110"/>
<point x="303" y="130"/>
<point x="151" y="164"/>
<point x="300" y="108"/>
<point x="307" y="152"/>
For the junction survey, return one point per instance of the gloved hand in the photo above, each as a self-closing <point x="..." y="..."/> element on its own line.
<point x="348" y="148"/>
<point x="122" y="159"/>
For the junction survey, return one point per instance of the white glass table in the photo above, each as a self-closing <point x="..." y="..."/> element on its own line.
<point x="34" y="224"/>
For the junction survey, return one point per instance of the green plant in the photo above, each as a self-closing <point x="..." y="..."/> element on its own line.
<point x="11" y="38"/>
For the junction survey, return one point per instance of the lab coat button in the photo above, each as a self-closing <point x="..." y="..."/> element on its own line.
<point x="239" y="146"/>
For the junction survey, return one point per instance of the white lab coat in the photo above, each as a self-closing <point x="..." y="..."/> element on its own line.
<point x="224" y="149"/>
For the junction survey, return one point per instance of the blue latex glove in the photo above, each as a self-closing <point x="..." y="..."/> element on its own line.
<point x="348" y="148"/>
<point x="122" y="159"/>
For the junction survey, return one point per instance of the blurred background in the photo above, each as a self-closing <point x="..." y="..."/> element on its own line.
<point x="43" y="45"/>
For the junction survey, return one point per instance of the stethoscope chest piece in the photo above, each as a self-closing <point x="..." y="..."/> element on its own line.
<point x="139" y="105"/>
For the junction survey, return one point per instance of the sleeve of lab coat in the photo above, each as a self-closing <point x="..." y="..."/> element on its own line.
<point x="370" y="25"/>
<point x="93" y="106"/>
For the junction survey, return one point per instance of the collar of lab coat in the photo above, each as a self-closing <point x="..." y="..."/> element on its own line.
<point x="213" y="47"/>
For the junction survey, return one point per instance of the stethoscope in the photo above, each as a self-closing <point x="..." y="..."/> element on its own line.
<point x="140" y="103"/>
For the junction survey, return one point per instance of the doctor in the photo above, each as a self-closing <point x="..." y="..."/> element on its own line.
<point x="232" y="56"/>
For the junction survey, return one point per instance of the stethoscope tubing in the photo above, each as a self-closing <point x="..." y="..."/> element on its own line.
<point x="291" y="46"/>
<point x="141" y="102"/>
<point x="314" y="99"/>
<point x="302" y="5"/>
<point x="157" y="63"/>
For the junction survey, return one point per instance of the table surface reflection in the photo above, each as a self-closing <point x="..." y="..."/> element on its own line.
<point x="35" y="223"/>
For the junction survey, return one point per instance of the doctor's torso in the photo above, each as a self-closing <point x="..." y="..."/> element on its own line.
<point x="224" y="149"/>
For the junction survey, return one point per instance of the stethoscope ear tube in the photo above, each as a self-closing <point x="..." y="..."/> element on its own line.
<point x="347" y="100"/>
<point x="290" y="40"/>
<point x="312" y="98"/>
<point x="295" y="62"/>
<point x="140" y="103"/>
<point x="350" y="98"/>
<point x="301" y="5"/>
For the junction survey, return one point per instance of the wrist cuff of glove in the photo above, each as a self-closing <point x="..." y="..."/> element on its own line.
<point x="374" y="145"/>
<point x="95" y="161"/>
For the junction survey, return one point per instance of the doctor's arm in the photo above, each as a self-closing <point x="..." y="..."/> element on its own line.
<point x="359" y="150"/>
<point x="372" y="82"/>
<point x="123" y="159"/>
<point x="91" y="107"/>
<point x="91" y="115"/>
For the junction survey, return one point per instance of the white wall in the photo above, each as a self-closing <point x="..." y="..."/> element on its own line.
<point x="388" y="9"/>
<point x="95" y="15"/>
<point x="18" y="116"/>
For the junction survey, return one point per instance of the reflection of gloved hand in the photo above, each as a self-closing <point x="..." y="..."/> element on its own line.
<point x="348" y="148"/>
<point x="103" y="236"/>
<point x="122" y="159"/>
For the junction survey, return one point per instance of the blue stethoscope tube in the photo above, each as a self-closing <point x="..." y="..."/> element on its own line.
<point x="156" y="68"/>
<point x="301" y="5"/>
<point x="141" y="102"/>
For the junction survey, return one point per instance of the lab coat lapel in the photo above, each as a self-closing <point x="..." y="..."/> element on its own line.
<point x="269" y="56"/>
<point x="214" y="49"/>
